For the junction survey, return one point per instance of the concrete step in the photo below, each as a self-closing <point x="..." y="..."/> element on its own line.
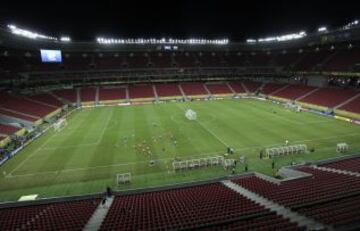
<point x="339" y="171"/>
<point x="99" y="215"/>
<point x="155" y="92"/>
<point x="207" y="89"/>
<point x="278" y="90"/>
<point x="245" y="88"/>
<point x="307" y="94"/>
<point x="295" y="217"/>
<point x="182" y="91"/>
<point x="347" y="101"/>
<point x="231" y="89"/>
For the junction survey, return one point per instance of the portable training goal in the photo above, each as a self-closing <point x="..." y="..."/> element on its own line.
<point x="285" y="150"/>
<point x="123" y="178"/>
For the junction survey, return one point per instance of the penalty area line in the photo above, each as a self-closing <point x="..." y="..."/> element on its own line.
<point x="166" y="159"/>
<point x="208" y="130"/>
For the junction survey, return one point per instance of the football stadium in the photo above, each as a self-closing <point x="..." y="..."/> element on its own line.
<point x="188" y="133"/>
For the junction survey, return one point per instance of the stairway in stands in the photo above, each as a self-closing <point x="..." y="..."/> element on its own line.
<point x="301" y="220"/>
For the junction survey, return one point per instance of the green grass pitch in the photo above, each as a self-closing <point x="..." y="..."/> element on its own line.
<point x="98" y="143"/>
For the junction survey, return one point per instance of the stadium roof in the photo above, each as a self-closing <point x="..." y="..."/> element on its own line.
<point x="186" y="19"/>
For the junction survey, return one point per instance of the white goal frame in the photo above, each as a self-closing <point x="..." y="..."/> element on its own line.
<point x="285" y="150"/>
<point x="123" y="178"/>
<point x="342" y="147"/>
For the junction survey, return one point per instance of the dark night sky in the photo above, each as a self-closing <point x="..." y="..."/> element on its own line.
<point x="237" y="20"/>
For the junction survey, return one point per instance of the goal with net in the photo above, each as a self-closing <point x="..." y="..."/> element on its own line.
<point x="123" y="178"/>
<point x="60" y="124"/>
<point x="342" y="147"/>
<point x="284" y="151"/>
<point x="190" y="114"/>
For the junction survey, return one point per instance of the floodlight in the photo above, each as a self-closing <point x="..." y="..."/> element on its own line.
<point x="65" y="39"/>
<point x="322" y="29"/>
<point x="251" y="40"/>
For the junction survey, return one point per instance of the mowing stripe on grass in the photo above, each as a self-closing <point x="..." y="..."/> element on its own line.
<point x="170" y="158"/>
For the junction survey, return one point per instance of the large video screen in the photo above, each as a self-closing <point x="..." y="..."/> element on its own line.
<point x="51" y="56"/>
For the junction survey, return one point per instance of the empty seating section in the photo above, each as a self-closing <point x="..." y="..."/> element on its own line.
<point x="4" y="112"/>
<point x="141" y="91"/>
<point x="271" y="87"/>
<point x="112" y="93"/>
<point x="329" y="97"/>
<point x="353" y="106"/>
<point x="252" y="86"/>
<point x="48" y="99"/>
<point x="194" y="89"/>
<point x="138" y="61"/>
<point x="88" y="94"/>
<point x="260" y="60"/>
<point x="23" y="105"/>
<point x="109" y="61"/>
<point x="235" y="60"/>
<point x="286" y="60"/>
<point x="352" y="164"/>
<point x="67" y="94"/>
<point x="327" y="197"/>
<point x="167" y="90"/>
<point x="309" y="59"/>
<point x="218" y="88"/>
<point x="211" y="60"/>
<point x="269" y="221"/>
<point x="76" y="61"/>
<point x="321" y="186"/>
<point x="237" y="87"/>
<point x="184" y="60"/>
<point x="12" y="63"/>
<point x="312" y="60"/>
<point x="161" y="60"/>
<point x="343" y="60"/>
<point x="7" y="129"/>
<point x="55" y="216"/>
<point x="294" y="91"/>
<point x="185" y="208"/>
<point x="338" y="213"/>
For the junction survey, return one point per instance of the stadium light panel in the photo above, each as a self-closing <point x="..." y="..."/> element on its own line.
<point x="282" y="38"/>
<point x="170" y="41"/>
<point x="65" y="39"/>
<point x="29" y="34"/>
<point x="322" y="29"/>
<point x="350" y="25"/>
<point x="251" y="40"/>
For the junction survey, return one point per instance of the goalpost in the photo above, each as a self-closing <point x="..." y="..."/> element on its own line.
<point x="293" y="106"/>
<point x="60" y="124"/>
<point x="190" y="114"/>
<point x="123" y="178"/>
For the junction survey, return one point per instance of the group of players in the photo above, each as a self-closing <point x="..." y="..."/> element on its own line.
<point x="144" y="147"/>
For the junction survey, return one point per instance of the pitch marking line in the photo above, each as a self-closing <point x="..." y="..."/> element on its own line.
<point x="170" y="158"/>
<point x="54" y="135"/>
<point x="31" y="155"/>
<point x="212" y="133"/>
<point x="208" y="130"/>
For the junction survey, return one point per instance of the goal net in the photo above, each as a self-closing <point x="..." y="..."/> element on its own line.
<point x="123" y="178"/>
<point x="60" y="124"/>
<point x="190" y="114"/>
